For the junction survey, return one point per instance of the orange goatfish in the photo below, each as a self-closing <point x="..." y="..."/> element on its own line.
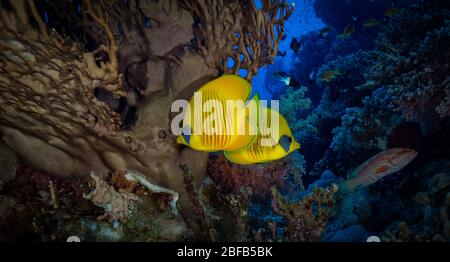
<point x="382" y="164"/>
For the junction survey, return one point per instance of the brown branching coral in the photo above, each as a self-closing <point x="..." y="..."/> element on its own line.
<point x="202" y="216"/>
<point x="240" y="31"/>
<point x="306" y="219"/>
<point x="414" y="62"/>
<point x="237" y="207"/>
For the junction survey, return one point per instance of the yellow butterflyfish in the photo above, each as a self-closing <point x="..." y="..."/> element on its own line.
<point x="218" y="118"/>
<point x="282" y="144"/>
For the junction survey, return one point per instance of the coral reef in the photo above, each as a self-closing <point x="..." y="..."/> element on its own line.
<point x="353" y="70"/>
<point x="151" y="220"/>
<point x="363" y="131"/>
<point x="203" y="217"/>
<point x="339" y="14"/>
<point x="30" y="211"/>
<point x="86" y="89"/>
<point x="225" y="216"/>
<point x="392" y="96"/>
<point x="294" y="104"/>
<point x="259" y="178"/>
<point x="291" y="103"/>
<point x="313" y="130"/>
<point x="309" y="58"/>
<point x="433" y="200"/>
<point x="58" y="114"/>
<point x="369" y="118"/>
<point x="8" y="161"/>
<point x="238" y="204"/>
<point x="116" y="204"/>
<point x="405" y="200"/>
<point x="70" y="108"/>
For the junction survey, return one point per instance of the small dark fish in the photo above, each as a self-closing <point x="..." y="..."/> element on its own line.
<point x="281" y="53"/>
<point x="295" y="45"/>
<point x="284" y="37"/>
<point x="324" y="32"/>
<point x="294" y="83"/>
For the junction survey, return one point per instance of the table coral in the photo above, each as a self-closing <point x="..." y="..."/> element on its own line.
<point x="260" y="178"/>
<point x="255" y="32"/>
<point x="414" y="62"/>
<point x="115" y="203"/>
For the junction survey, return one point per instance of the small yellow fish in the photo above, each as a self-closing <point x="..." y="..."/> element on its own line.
<point x="222" y="131"/>
<point x="280" y="146"/>
<point x="329" y="75"/>
<point x="371" y="22"/>
<point x="390" y="12"/>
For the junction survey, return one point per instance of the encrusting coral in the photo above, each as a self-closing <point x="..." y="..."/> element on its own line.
<point x="404" y="233"/>
<point x="255" y="35"/>
<point x="231" y="178"/>
<point x="202" y="215"/>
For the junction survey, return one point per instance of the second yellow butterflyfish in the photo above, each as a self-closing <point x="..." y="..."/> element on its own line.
<point x="269" y="146"/>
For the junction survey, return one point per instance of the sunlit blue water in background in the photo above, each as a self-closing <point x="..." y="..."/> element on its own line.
<point x="301" y="22"/>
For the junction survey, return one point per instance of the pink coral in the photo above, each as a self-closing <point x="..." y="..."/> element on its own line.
<point x="115" y="203"/>
<point x="260" y="178"/>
